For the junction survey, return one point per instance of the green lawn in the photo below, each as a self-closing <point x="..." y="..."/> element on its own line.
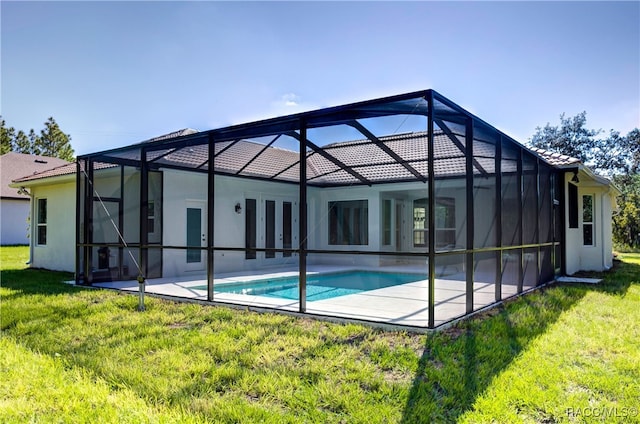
<point x="70" y="354"/>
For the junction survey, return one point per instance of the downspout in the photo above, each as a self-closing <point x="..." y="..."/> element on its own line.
<point x="602" y="235"/>
<point x="32" y="234"/>
<point x="23" y="190"/>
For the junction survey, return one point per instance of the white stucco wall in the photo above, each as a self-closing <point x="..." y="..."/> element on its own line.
<point x="14" y="228"/>
<point x="58" y="254"/>
<point x="184" y="189"/>
<point x="598" y="257"/>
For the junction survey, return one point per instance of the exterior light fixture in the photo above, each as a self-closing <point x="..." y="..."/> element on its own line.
<point x="575" y="178"/>
<point x="23" y="190"/>
<point x="238" y="208"/>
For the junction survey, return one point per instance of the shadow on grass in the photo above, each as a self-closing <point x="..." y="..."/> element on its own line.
<point x="30" y="281"/>
<point x="456" y="366"/>
<point x="459" y="363"/>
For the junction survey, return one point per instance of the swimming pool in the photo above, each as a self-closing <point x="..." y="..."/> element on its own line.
<point x="319" y="286"/>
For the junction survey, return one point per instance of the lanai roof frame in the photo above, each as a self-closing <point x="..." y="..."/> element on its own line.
<point x="453" y="122"/>
<point x="409" y="103"/>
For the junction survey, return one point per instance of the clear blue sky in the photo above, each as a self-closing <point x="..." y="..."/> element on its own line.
<point x="115" y="73"/>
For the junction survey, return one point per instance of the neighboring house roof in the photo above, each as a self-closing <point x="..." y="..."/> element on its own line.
<point x="67" y="168"/>
<point x="14" y="166"/>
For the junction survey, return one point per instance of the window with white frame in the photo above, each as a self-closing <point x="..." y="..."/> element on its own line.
<point x="41" y="222"/>
<point x="587" y="220"/>
<point x="420" y="222"/>
<point x="445" y="221"/>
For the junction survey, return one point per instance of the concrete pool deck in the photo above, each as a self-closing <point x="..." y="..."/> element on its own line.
<point x="403" y="304"/>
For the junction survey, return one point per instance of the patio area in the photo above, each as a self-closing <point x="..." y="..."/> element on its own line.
<point x="401" y="305"/>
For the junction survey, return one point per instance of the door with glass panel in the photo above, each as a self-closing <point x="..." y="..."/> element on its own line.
<point x="195" y="235"/>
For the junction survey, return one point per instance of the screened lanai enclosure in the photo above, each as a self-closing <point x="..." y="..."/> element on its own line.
<point x="405" y="210"/>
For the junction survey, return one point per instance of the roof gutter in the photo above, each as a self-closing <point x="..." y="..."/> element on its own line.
<point x="58" y="179"/>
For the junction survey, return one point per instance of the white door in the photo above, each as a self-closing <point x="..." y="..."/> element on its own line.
<point x="196" y="235"/>
<point x="279" y="228"/>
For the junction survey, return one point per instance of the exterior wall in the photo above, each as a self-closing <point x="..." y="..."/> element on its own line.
<point x="14" y="226"/>
<point x="598" y="257"/>
<point x="59" y="252"/>
<point x="181" y="189"/>
<point x="184" y="189"/>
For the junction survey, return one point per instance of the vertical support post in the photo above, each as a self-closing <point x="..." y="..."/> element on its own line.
<point x="78" y="222"/>
<point x="210" y="218"/>
<point x="537" y="235"/>
<point x="470" y="213"/>
<point x="144" y="208"/>
<point x="431" y="206"/>
<point x="521" y="220"/>
<point x="121" y="225"/>
<point x="498" y="169"/>
<point x="563" y="221"/>
<point x="553" y="190"/>
<point x="302" y="218"/>
<point x="88" y="220"/>
<point x="144" y="233"/>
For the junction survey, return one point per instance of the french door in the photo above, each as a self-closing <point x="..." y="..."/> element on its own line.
<point x="271" y="224"/>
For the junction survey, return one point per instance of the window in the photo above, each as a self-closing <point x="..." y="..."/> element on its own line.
<point x="445" y="222"/>
<point x="349" y="222"/>
<point x="250" y="228"/>
<point x="287" y="229"/>
<point x="587" y="220"/>
<point x="573" y="206"/>
<point x="270" y="228"/>
<point x="445" y="217"/>
<point x="386" y="222"/>
<point x="420" y="226"/>
<point x="42" y="222"/>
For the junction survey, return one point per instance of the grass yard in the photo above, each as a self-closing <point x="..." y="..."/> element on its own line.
<point x="70" y="354"/>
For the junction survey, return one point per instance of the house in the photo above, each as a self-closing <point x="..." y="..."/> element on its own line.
<point x="14" y="204"/>
<point x="409" y="211"/>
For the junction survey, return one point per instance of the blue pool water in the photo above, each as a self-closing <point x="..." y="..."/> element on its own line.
<point x="319" y="286"/>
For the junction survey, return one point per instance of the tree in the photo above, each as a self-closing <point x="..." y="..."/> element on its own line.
<point x="51" y="141"/>
<point x="615" y="156"/>
<point x="6" y="137"/>
<point x="626" y="224"/>
<point x="24" y="144"/>
<point x="571" y="138"/>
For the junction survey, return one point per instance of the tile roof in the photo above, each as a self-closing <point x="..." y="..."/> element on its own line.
<point x="555" y="159"/>
<point x="16" y="165"/>
<point x="66" y="168"/>
<point x="179" y="133"/>
<point x="367" y="161"/>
